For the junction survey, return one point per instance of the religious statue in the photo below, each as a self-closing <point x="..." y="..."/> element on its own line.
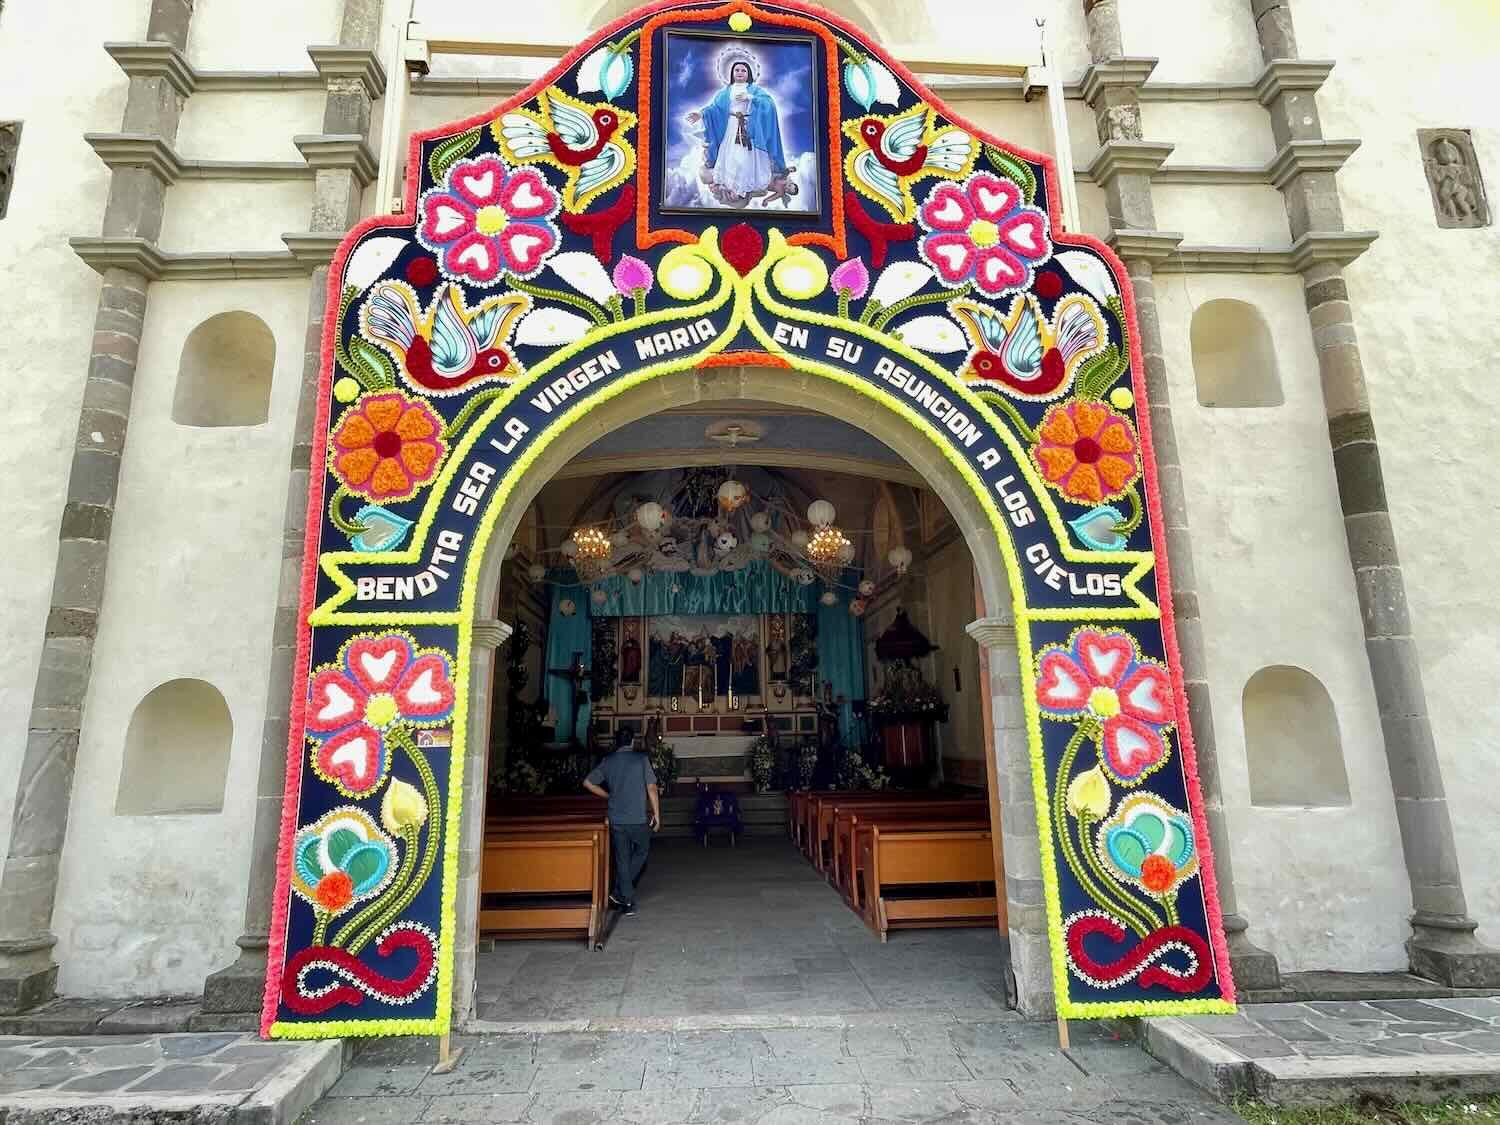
<point x="1453" y="178"/>
<point x="742" y="153"/>
<point x="630" y="661"/>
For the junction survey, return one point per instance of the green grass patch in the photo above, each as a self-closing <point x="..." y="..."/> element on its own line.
<point x="1472" y="1111"/>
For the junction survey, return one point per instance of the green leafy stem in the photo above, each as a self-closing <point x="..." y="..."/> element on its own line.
<point x="1096" y="883"/>
<point x="362" y="360"/>
<point x="364" y="927"/>
<point x="595" y="313"/>
<point x="1101" y="371"/>
<point x="1006" y="407"/>
<point x="878" y="317"/>
<point x="335" y="512"/>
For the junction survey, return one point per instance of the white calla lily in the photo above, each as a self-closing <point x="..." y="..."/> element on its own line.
<point x="935" y="334"/>
<point x="584" y="273"/>
<point x="549" y="327"/>
<point x="1089" y="272"/>
<point x="898" y="281"/>
<point x="370" y="261"/>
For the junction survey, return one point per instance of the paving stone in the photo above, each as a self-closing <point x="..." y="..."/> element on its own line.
<point x="826" y="963"/>
<point x="1423" y="1012"/>
<point x="782" y="982"/>
<point x="1333" y="1049"/>
<point x="1294" y="1031"/>
<point x="181" y="1078"/>
<point x="104" y="1081"/>
<point x="813" y="1069"/>
<point x="44" y="1059"/>
<point x="251" y="1052"/>
<point x="1417" y="1045"/>
<point x="365" y="1111"/>
<point x="684" y="1071"/>
<point x="35" y="1078"/>
<point x="572" y="1108"/>
<point x="392" y="1051"/>
<point x="1338" y="1009"/>
<point x="477" y="1077"/>
<point x="927" y="1068"/>
<point x="657" y="1106"/>
<point x="999" y="1095"/>
<point x="737" y="1104"/>
<point x="1487" y="1042"/>
<point x="1099" y="1059"/>
<point x="106" y="1054"/>
<point x="792" y="1043"/>
<point x="1480" y="1007"/>
<point x="1258" y="1046"/>
<point x="611" y="1073"/>
<point x="247" y="1075"/>
<point x="372" y="1081"/>
<point x="1261" y="1012"/>
<point x="194" y="1046"/>
<point x="914" y="1101"/>
<point x="470" y="1109"/>
<point x="875" y="1043"/>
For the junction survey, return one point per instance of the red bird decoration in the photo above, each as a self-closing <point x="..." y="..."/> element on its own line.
<point x="587" y="142"/>
<point x="892" y="153"/>
<point x="446" y="347"/>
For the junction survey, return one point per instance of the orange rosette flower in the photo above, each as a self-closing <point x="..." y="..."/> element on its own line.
<point x="386" y="446"/>
<point x="1087" y="451"/>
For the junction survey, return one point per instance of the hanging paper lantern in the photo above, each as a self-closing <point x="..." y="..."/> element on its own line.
<point x="732" y="494"/>
<point x="857" y="607"/>
<point x="829" y="598"/>
<point x="567" y="607"/>
<point x="760" y="521"/>
<point x="649" y="516"/>
<point x="846" y="553"/>
<point x="726" y="542"/>
<point x="635" y="574"/>
<point x="900" y="558"/>
<point x="666" y="517"/>
<point x="866" y="588"/>
<point x="537" y="572"/>
<point x="820" y="513"/>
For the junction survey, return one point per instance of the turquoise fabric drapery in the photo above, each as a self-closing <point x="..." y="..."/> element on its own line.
<point x="565" y="636"/>
<point x="758" y="588"/>
<point x="841" y="655"/>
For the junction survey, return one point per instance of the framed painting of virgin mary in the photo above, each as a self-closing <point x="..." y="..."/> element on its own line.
<point x="741" y="124"/>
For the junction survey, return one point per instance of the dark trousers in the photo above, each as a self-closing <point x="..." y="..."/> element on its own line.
<point x="631" y="843"/>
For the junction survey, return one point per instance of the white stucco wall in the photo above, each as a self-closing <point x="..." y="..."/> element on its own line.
<point x="47" y="300"/>
<point x="152" y="904"/>
<point x="1421" y="299"/>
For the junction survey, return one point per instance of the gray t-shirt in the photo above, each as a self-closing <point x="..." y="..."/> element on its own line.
<point x="625" y="773"/>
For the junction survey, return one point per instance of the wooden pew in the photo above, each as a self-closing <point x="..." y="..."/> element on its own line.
<point x="851" y="823"/>
<point x="935" y="859"/>
<point x="551" y="871"/>
<point x="823" y="840"/>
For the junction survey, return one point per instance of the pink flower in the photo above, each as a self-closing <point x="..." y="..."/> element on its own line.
<point x="1103" y="677"/>
<point x="982" y="232"/>
<point x="632" y="276"/>
<point x="851" y="277"/>
<point x="486" y="221"/>
<point x="379" y="682"/>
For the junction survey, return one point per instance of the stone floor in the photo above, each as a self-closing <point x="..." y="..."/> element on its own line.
<point x="743" y="930"/>
<point x="1326" y="1050"/>
<point x="875" y="1068"/>
<point x="235" y="1076"/>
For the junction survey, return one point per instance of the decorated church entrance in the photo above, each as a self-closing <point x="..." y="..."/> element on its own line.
<point x="733" y="202"/>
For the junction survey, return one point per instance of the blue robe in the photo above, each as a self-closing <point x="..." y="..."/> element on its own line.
<point x="764" y="125"/>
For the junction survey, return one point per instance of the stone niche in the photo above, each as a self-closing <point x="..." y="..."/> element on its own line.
<point x="1453" y="178"/>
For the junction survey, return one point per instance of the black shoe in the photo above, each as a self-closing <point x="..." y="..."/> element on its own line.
<point x="630" y="910"/>
<point x="618" y="904"/>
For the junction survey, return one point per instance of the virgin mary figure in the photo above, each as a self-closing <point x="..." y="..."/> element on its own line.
<point x="742" y="153"/>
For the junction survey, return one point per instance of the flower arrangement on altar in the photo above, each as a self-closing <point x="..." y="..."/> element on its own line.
<point x="856" y="774"/>
<point x="904" y="694"/>
<point x="524" y="778"/>
<point x="762" y="763"/>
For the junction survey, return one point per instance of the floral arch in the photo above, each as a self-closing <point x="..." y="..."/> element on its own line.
<point x="702" y="185"/>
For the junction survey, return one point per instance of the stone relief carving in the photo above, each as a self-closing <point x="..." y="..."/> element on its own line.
<point x="1453" y="176"/>
<point x="10" y="142"/>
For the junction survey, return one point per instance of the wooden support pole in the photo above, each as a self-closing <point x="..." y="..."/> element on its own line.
<point x="447" y="1058"/>
<point x="1062" y="1033"/>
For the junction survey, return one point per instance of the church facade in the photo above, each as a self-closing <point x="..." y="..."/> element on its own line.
<point x="1297" y="199"/>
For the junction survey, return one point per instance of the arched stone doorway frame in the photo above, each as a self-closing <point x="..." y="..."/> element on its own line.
<point x="1007" y="755"/>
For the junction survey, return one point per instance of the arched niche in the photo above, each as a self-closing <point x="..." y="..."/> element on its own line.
<point x="224" y="375"/>
<point x="176" y="751"/>
<point x="1292" y="740"/>
<point x="1234" y="360"/>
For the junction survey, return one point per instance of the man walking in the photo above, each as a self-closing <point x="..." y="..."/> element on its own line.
<point x="626" y="778"/>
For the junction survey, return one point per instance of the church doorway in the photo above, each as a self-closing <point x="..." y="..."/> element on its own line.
<point x="774" y="602"/>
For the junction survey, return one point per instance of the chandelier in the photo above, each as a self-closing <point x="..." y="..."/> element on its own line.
<point x="591" y="552"/>
<point x="829" y="550"/>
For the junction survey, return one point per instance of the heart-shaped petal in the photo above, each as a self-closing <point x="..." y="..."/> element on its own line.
<point x="527" y="196"/>
<point x="1131" y="748"/>
<point x="376" y="663"/>
<point x="947" y="209"/>
<point x="333" y="701"/>
<point x="444" y="218"/>
<point x="998" y="271"/>
<point x="1096" y="528"/>
<point x="473" y="256"/>
<point x="426" y="692"/>
<point x="993" y="198"/>
<point x="952" y="255"/>
<point x="478" y="182"/>
<point x="353" y="760"/>
<point x="1146" y="694"/>
<point x="1104" y="656"/>
<point x="525" y="246"/>
<point x="1026" y="234"/>
<point x="1061" y="686"/>
<point x="383" y="530"/>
